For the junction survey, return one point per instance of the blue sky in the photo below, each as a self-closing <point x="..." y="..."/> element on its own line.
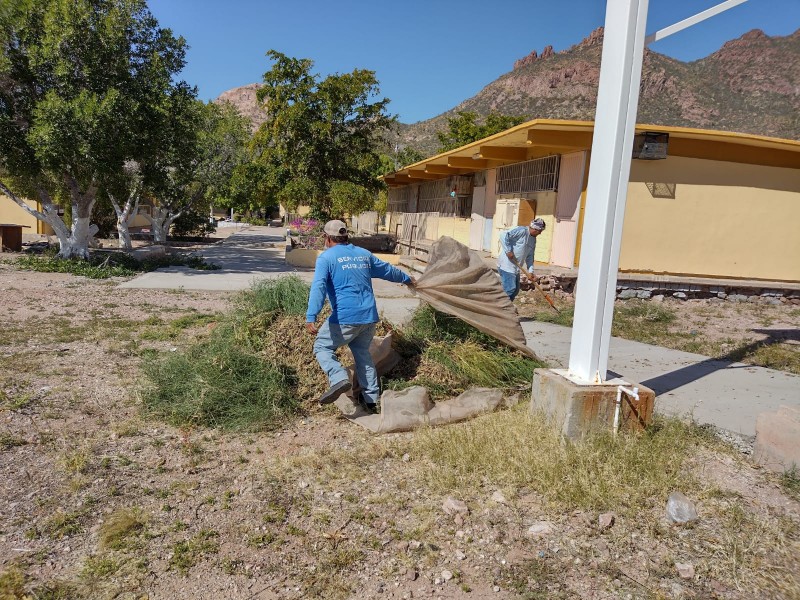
<point x="428" y="55"/>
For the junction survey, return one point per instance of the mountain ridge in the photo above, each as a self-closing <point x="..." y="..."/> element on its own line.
<point x="750" y="85"/>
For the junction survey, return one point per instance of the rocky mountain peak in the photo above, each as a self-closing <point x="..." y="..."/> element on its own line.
<point x="593" y="39"/>
<point x="245" y="100"/>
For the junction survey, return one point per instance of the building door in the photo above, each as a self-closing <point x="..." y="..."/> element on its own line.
<point x="478" y="220"/>
<point x="570" y="184"/>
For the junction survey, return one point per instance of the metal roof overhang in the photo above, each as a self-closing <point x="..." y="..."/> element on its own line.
<point x="542" y="137"/>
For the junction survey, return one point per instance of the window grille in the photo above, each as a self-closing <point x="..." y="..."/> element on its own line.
<point x="539" y="175"/>
<point x="435" y="196"/>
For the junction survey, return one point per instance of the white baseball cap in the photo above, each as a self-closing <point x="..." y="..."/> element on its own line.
<point x="335" y="228"/>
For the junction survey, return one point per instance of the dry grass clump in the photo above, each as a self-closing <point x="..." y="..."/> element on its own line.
<point x="516" y="449"/>
<point x="12" y="583"/>
<point x="744" y="546"/>
<point x="448" y="356"/>
<point x="119" y="526"/>
<point x="281" y="339"/>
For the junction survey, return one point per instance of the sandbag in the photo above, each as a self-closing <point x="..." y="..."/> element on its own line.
<point x="458" y="282"/>
<point x="412" y="407"/>
<point x="472" y="402"/>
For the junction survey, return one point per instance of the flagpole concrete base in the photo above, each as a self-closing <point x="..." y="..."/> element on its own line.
<point x="577" y="407"/>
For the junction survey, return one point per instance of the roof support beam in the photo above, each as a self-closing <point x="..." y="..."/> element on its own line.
<point x="441" y="170"/>
<point x="465" y="162"/>
<point x="580" y="140"/>
<point x="421" y="174"/>
<point x="504" y="153"/>
<point x="706" y="14"/>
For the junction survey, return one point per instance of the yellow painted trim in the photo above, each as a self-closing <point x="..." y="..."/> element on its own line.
<point x="460" y="162"/>
<point x="442" y="170"/>
<point x="580" y="140"/>
<point x="582" y="210"/>
<point x="787" y="151"/>
<point x="420" y="174"/>
<point x="504" y="153"/>
<point x="303" y="257"/>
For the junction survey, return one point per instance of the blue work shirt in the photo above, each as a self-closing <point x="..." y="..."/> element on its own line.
<point x="519" y="241"/>
<point x="344" y="274"/>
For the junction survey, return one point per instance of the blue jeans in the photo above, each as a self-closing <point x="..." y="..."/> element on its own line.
<point x="510" y="283"/>
<point x="358" y="337"/>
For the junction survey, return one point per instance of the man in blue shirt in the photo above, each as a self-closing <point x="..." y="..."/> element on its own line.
<point x="344" y="274"/>
<point x="518" y="245"/>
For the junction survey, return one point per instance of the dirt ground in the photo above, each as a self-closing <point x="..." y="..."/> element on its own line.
<point x="203" y="514"/>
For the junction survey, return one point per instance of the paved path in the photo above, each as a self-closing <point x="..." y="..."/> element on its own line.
<point x="728" y="395"/>
<point x="258" y="253"/>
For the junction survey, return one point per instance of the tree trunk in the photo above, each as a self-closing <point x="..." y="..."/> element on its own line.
<point x="74" y="242"/>
<point x="82" y="232"/>
<point x="124" y="217"/>
<point x="160" y="223"/>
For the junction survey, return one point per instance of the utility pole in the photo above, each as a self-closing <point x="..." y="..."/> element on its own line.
<point x="615" y="120"/>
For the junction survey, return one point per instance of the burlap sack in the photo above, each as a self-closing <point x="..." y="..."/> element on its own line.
<point x="412" y="407"/>
<point x="458" y="282"/>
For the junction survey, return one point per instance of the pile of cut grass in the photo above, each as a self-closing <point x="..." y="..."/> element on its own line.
<point x="233" y="379"/>
<point x="256" y="368"/>
<point x="449" y="356"/>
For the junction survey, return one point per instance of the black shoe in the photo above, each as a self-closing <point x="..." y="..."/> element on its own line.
<point x="370" y="407"/>
<point x="334" y="392"/>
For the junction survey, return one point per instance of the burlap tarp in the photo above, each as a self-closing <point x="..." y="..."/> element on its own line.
<point x="458" y="282"/>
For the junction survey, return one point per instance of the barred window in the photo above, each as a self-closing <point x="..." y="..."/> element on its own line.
<point x="539" y="175"/>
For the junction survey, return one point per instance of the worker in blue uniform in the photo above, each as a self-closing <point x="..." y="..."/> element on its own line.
<point x="344" y="274"/>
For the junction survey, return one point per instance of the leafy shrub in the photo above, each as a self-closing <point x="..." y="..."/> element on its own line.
<point x="102" y="265"/>
<point x="193" y="223"/>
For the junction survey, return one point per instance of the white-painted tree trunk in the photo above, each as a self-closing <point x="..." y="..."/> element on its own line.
<point x="82" y="233"/>
<point x="73" y="242"/>
<point x="160" y="223"/>
<point x="125" y="216"/>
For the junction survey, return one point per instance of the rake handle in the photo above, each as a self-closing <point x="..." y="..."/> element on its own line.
<point x="536" y="285"/>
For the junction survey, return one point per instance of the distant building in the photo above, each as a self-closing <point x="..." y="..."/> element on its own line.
<point x="700" y="203"/>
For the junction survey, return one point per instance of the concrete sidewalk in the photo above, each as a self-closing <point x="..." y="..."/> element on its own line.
<point x="727" y="395"/>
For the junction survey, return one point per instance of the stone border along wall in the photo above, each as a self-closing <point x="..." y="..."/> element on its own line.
<point x="657" y="291"/>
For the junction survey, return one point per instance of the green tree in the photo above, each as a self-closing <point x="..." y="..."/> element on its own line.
<point x="81" y="83"/>
<point x="392" y="161"/>
<point x="464" y="128"/>
<point x="205" y="145"/>
<point x="318" y="146"/>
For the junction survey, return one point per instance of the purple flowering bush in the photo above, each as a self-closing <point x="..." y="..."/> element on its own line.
<point x="303" y="226"/>
<point x="307" y="233"/>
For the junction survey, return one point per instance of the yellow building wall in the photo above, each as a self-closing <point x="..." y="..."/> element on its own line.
<point x="12" y="214"/>
<point x="540" y="204"/>
<point x="455" y="227"/>
<point x="725" y="220"/>
<point x="545" y="209"/>
<point x="139" y="220"/>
